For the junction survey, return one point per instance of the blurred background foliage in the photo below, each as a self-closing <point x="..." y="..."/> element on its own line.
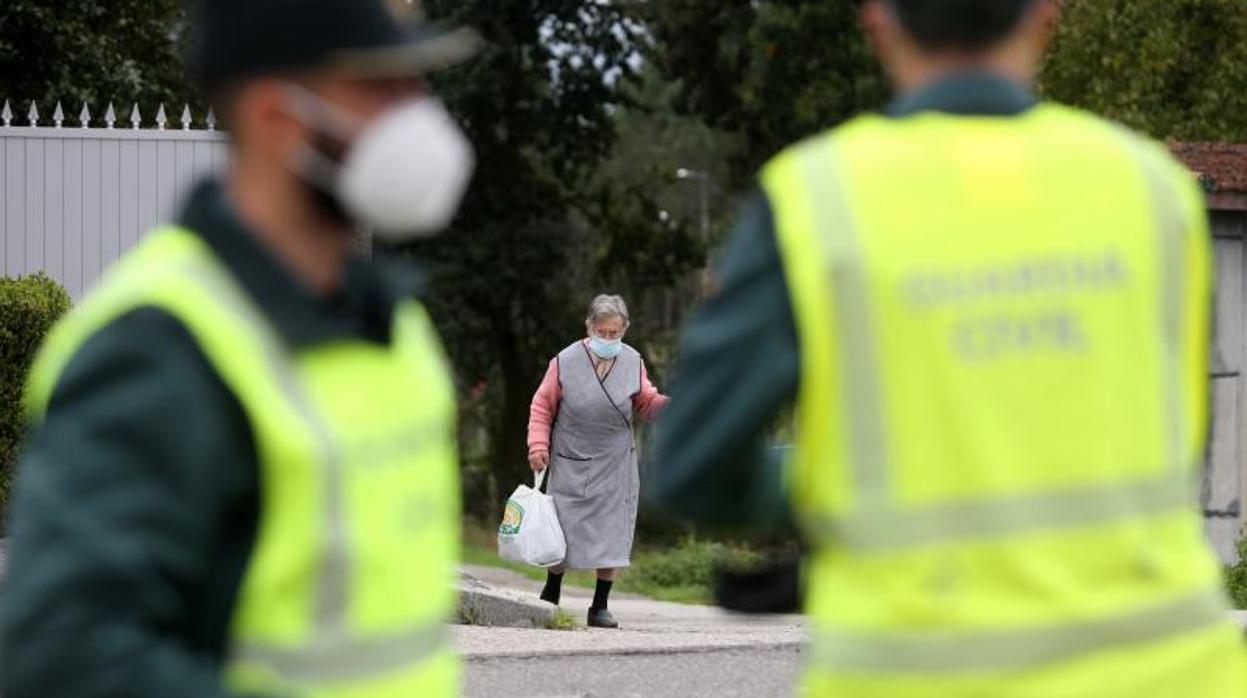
<point x="584" y="111"/>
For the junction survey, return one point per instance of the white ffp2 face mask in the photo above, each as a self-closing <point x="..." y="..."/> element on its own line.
<point x="404" y="175"/>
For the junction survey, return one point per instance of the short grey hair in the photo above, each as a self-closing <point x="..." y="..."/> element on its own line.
<point x="604" y="307"/>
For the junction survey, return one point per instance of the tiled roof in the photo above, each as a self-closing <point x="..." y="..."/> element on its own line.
<point x="1221" y="167"/>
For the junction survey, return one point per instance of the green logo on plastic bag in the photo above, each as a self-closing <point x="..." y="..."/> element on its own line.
<point x="512" y="518"/>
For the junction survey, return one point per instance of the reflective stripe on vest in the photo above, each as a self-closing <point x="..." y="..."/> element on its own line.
<point x="336" y="660"/>
<point x="332" y="579"/>
<point x="1008" y="649"/>
<point x="175" y="271"/>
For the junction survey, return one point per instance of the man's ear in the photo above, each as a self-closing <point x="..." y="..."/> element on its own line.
<point x="874" y="17"/>
<point x="1049" y="17"/>
<point x="883" y="32"/>
<point x="262" y="111"/>
<point x="1041" y="25"/>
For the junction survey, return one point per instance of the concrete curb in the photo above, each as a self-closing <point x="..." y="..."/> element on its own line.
<point x="481" y="604"/>
<point x="709" y="648"/>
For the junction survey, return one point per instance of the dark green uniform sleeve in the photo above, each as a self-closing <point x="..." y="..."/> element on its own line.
<point x="121" y="574"/>
<point x="738" y="369"/>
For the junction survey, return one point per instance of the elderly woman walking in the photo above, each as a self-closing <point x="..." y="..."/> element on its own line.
<point x="580" y="427"/>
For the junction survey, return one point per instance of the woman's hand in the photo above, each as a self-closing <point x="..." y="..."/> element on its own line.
<point x="538" y="460"/>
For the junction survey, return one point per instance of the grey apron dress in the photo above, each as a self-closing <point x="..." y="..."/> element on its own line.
<point x="593" y="463"/>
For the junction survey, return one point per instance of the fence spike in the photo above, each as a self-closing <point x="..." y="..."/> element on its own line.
<point x="84" y="116"/>
<point x="110" y="116"/>
<point x="162" y="119"/>
<point x="186" y="117"/>
<point x="33" y="115"/>
<point x="58" y="116"/>
<point x="136" y="119"/>
<point x="6" y="115"/>
<point x="211" y="119"/>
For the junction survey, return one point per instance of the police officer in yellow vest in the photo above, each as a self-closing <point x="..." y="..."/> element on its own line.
<point x="242" y="479"/>
<point x="993" y="315"/>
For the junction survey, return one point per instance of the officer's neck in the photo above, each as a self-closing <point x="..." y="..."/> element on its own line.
<point x="278" y="213"/>
<point x="918" y="74"/>
<point x="913" y="67"/>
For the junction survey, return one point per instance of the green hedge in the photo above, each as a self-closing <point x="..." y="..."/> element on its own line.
<point x="1236" y="576"/>
<point x="28" y="307"/>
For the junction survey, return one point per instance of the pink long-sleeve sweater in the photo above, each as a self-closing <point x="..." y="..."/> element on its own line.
<point x="647" y="403"/>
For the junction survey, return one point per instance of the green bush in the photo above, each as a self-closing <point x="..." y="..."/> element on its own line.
<point x="28" y="308"/>
<point x="686" y="571"/>
<point x="1236" y="576"/>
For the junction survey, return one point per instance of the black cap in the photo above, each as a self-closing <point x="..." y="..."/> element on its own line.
<point x="959" y="24"/>
<point x="234" y="39"/>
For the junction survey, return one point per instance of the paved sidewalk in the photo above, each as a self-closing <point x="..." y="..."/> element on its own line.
<point x="647" y="627"/>
<point x="736" y="673"/>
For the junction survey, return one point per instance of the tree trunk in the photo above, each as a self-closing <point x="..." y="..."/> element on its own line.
<point x="510" y="433"/>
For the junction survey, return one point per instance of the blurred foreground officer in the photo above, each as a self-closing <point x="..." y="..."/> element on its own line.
<point x="993" y="316"/>
<point x="243" y="477"/>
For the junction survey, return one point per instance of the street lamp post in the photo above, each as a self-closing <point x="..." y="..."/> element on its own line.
<point x="703" y="189"/>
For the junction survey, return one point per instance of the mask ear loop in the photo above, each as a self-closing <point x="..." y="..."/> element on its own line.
<point x="319" y="170"/>
<point x="323" y="115"/>
<point x="317" y="167"/>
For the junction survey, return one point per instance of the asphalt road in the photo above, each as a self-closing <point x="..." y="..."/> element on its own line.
<point x="759" y="673"/>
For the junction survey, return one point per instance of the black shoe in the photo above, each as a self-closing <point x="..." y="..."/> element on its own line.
<point x="601" y="618"/>
<point x="550" y="596"/>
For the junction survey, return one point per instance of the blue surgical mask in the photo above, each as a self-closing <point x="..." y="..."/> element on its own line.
<point x="605" y="348"/>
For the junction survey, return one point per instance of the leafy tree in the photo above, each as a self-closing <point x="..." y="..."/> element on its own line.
<point x="773" y="71"/>
<point x="769" y="73"/>
<point x="92" y="51"/>
<point x="1176" y="69"/>
<point x="650" y="219"/>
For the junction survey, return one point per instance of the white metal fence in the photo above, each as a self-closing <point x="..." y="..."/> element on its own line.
<point x="74" y="197"/>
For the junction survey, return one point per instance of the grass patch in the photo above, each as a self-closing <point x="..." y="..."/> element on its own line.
<point x="562" y="620"/>
<point x="470" y="615"/>
<point x="683" y="573"/>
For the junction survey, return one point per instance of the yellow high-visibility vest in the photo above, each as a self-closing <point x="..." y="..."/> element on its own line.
<point x="1003" y="327"/>
<point x="348" y="589"/>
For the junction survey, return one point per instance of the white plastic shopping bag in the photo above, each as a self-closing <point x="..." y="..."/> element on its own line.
<point x="530" y="530"/>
